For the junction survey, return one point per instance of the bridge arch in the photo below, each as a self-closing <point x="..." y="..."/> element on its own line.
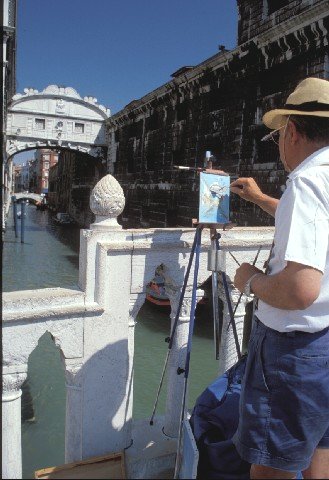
<point x="58" y="117"/>
<point x="34" y="197"/>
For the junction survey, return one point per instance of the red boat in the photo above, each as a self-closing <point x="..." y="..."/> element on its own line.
<point x="156" y="293"/>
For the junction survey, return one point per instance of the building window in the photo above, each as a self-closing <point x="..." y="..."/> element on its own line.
<point x="46" y="164"/>
<point x="182" y="110"/>
<point x="274" y="5"/>
<point x="46" y="157"/>
<point x="40" y="124"/>
<point x="79" y="128"/>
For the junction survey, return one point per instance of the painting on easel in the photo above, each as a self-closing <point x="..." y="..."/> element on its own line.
<point x="214" y="205"/>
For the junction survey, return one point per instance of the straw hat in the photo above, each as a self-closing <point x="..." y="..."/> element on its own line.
<point x="311" y="97"/>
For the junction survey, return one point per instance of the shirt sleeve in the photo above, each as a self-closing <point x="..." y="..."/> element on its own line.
<point x="308" y="229"/>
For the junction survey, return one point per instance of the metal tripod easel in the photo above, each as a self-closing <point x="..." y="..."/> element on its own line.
<point x="214" y="267"/>
<point x="211" y="199"/>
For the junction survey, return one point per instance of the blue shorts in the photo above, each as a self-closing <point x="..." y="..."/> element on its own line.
<point x="284" y="405"/>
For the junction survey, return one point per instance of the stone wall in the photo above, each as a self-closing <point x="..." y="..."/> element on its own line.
<point x="71" y="183"/>
<point x="218" y="106"/>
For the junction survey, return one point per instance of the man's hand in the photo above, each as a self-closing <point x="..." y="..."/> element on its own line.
<point x="248" y="189"/>
<point x="242" y="275"/>
<point x="296" y="287"/>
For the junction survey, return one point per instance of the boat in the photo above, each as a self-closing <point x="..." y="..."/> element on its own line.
<point x="43" y="204"/>
<point x="156" y="293"/>
<point x="63" y="219"/>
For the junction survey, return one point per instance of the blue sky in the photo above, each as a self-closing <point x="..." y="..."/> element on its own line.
<point x="117" y="50"/>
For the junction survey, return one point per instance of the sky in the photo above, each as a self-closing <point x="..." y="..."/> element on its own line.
<point x="116" y="50"/>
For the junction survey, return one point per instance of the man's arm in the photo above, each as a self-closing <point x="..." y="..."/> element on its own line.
<point x="296" y="287"/>
<point x="248" y="189"/>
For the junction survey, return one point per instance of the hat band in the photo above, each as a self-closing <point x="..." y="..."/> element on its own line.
<point x="308" y="107"/>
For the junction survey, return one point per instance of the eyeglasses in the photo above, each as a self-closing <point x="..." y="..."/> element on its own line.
<point x="274" y="136"/>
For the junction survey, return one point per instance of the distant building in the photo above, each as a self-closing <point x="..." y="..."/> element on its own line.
<point x="25" y="175"/>
<point x="8" y="33"/>
<point x="33" y="176"/>
<point x="18" y="187"/>
<point x="53" y="187"/>
<point x="44" y="160"/>
<point x="71" y="181"/>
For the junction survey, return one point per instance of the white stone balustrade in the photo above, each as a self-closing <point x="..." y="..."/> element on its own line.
<point x="93" y="325"/>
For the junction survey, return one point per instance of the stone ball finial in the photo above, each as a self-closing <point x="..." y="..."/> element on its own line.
<point x="107" y="201"/>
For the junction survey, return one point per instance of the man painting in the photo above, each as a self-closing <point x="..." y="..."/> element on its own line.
<point x="284" y="406"/>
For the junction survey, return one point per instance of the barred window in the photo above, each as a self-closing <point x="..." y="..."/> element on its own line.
<point x="40" y="124"/>
<point x="79" y="128"/>
<point x="274" y="5"/>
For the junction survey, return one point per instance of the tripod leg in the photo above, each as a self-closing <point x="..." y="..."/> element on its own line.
<point x="230" y="309"/>
<point x="229" y="304"/>
<point x="214" y="282"/>
<point x="188" y="353"/>
<point x="172" y="334"/>
<point x="181" y="298"/>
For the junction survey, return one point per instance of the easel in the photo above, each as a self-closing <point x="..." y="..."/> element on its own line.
<point x="214" y="267"/>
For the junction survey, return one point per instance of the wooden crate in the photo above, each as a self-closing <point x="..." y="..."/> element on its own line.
<point x="104" y="467"/>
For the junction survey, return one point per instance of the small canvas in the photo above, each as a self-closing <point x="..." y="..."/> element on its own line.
<point x="214" y="205"/>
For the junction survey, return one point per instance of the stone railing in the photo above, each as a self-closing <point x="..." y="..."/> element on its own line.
<point x="93" y="326"/>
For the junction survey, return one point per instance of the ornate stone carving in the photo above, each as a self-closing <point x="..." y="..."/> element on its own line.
<point x="30" y="91"/>
<point x="60" y="106"/>
<point x="56" y="90"/>
<point x="107" y="198"/>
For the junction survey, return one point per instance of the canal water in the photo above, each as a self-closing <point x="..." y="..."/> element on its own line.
<point x="49" y="258"/>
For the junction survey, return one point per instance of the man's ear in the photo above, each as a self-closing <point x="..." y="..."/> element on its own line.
<point x="292" y="133"/>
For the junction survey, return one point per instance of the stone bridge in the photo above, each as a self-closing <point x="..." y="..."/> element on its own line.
<point x="93" y="326"/>
<point x="57" y="117"/>
<point x="35" y="197"/>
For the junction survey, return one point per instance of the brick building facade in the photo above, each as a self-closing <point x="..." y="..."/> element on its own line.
<point x="44" y="160"/>
<point x="18" y="185"/>
<point x="218" y="106"/>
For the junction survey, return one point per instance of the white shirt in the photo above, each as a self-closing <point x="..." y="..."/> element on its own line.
<point x="302" y="236"/>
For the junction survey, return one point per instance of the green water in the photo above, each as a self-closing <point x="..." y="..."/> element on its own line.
<point x="50" y="258"/>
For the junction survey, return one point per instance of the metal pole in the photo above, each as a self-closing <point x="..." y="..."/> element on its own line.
<point x="230" y="309"/>
<point x="23" y="205"/>
<point x="188" y="352"/>
<point x="15" y="216"/>
<point x="214" y="281"/>
<point x="172" y="334"/>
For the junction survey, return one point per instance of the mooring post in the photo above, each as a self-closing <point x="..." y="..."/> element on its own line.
<point x="15" y="216"/>
<point x="23" y="205"/>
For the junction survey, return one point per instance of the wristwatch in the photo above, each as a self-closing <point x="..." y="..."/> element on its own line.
<point x="247" y="287"/>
